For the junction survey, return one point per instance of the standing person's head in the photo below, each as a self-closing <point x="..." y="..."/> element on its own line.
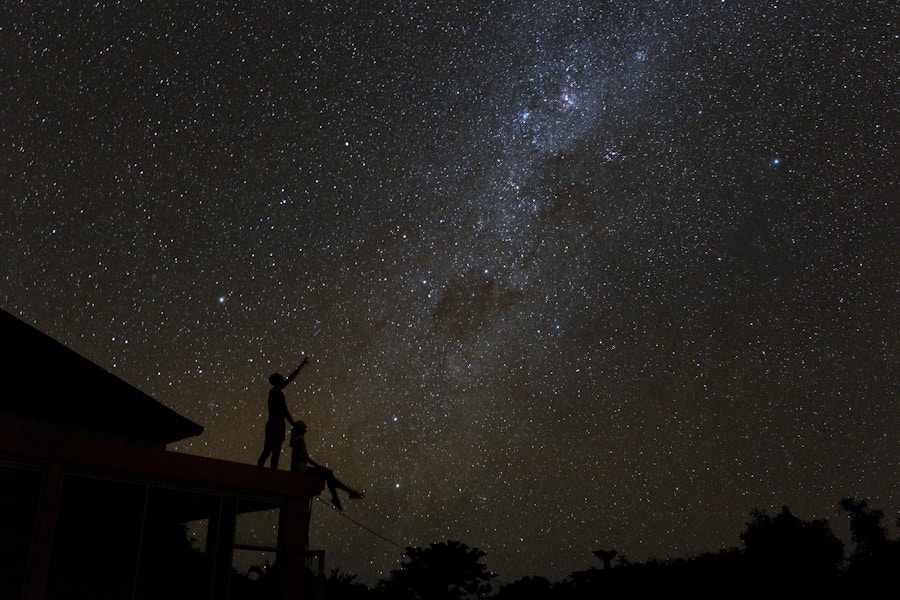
<point x="276" y="379"/>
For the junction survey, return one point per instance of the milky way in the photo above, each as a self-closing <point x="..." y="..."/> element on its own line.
<point x="575" y="275"/>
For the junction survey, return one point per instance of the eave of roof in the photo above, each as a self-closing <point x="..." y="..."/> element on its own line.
<point x="42" y="379"/>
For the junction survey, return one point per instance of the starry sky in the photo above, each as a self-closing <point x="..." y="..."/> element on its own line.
<point x="574" y="275"/>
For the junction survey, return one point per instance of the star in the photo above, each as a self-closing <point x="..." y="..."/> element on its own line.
<point x="530" y="244"/>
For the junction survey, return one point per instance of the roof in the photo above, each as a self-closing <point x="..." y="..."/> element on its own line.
<point x="42" y="379"/>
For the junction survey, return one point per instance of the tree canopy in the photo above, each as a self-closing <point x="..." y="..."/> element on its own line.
<point x="442" y="571"/>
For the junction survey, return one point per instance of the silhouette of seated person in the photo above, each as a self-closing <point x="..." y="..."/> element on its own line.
<point x="301" y="461"/>
<point x="278" y="414"/>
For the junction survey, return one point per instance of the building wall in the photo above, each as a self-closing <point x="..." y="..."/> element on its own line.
<point x="92" y="518"/>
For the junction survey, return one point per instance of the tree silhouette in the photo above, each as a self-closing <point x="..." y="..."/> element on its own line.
<point x="340" y="586"/>
<point x="867" y="532"/>
<point x="875" y="564"/>
<point x="443" y="571"/>
<point x="261" y="585"/>
<point x="527" y="588"/>
<point x="788" y="545"/>
<point x="784" y="557"/>
<point x="170" y="566"/>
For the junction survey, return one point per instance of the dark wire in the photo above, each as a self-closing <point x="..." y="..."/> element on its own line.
<point x="360" y="525"/>
<point x="375" y="533"/>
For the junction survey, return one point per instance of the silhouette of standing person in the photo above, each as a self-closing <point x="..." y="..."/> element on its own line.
<point x="278" y="413"/>
<point x="301" y="461"/>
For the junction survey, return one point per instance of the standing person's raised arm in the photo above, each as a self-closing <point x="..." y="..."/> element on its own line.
<point x="294" y="373"/>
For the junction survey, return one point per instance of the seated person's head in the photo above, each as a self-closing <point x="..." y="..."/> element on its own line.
<point x="297" y="432"/>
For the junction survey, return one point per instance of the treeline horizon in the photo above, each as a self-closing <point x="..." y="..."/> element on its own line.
<point x="781" y="556"/>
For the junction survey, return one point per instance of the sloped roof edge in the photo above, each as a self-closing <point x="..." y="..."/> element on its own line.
<point x="43" y="379"/>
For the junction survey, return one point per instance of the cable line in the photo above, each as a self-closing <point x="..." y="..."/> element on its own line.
<point x="360" y="525"/>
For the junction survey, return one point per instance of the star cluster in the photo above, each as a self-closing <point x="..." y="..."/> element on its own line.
<point x="574" y="274"/>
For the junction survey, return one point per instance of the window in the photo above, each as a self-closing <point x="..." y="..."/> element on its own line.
<point x="20" y="491"/>
<point x="174" y="561"/>
<point x="255" y="544"/>
<point x="95" y="546"/>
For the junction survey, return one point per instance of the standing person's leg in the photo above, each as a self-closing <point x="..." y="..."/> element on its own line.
<point x="276" y="452"/>
<point x="267" y="450"/>
<point x="267" y="446"/>
<point x="274" y="439"/>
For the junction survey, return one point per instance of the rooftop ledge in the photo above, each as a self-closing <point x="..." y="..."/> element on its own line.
<point x="46" y="445"/>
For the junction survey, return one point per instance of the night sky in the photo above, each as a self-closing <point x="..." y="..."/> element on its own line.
<point x="575" y="275"/>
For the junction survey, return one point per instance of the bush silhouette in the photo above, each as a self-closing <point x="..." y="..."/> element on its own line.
<point x="443" y="571"/>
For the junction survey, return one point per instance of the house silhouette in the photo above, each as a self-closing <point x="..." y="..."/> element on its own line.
<point x="93" y="505"/>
